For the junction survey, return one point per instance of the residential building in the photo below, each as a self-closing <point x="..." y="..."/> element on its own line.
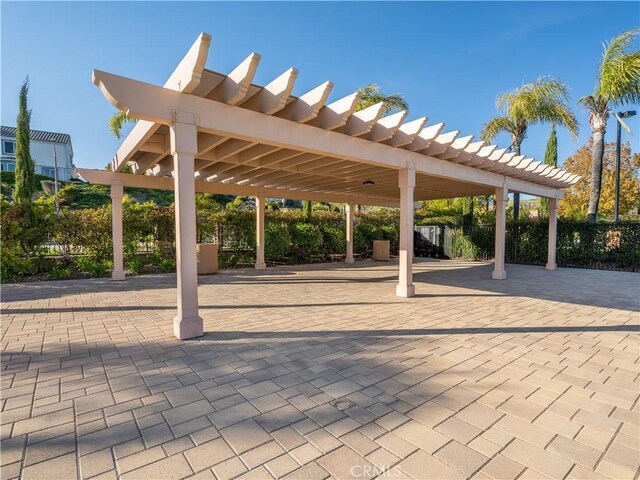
<point x="47" y="149"/>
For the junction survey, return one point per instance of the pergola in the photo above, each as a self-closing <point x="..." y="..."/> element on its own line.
<point x="204" y="131"/>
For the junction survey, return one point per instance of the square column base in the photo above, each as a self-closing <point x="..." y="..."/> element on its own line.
<point x="117" y="275"/>
<point x="349" y="260"/>
<point x="499" y="275"/>
<point x="551" y="266"/>
<point x="261" y="266"/>
<point x="405" y="291"/>
<point x="191" y="327"/>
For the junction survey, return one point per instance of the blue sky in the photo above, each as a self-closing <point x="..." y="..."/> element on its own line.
<point x="450" y="60"/>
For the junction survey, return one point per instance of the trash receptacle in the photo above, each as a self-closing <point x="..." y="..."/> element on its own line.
<point x="381" y="250"/>
<point x="207" y="255"/>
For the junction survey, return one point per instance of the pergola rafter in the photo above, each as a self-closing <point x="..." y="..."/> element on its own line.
<point x="204" y="131"/>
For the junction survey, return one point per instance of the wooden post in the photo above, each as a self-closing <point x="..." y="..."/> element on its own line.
<point x="553" y="234"/>
<point x="406" y="182"/>
<point x="260" y="204"/>
<point x="502" y="194"/>
<point x="184" y="145"/>
<point x="349" y="210"/>
<point x="117" y="191"/>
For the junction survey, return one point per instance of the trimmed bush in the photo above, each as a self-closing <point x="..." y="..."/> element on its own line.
<point x="391" y="233"/>
<point x="306" y="240"/>
<point x="277" y="241"/>
<point x="363" y="236"/>
<point x="334" y="240"/>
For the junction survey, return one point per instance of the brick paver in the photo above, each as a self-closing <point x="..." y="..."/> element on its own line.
<point x="321" y="372"/>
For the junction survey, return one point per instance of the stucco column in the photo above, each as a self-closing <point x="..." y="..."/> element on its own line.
<point x="406" y="182"/>
<point x="502" y="194"/>
<point x="349" y="210"/>
<point x="260" y="204"/>
<point x="117" y="191"/>
<point x="553" y="234"/>
<point x="184" y="145"/>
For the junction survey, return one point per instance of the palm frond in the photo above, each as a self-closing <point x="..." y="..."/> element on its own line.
<point x="495" y="126"/>
<point x="371" y="95"/>
<point x="619" y="72"/>
<point x="117" y="121"/>
<point x="544" y="100"/>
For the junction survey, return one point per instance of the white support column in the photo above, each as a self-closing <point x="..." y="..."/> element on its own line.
<point x="553" y="234"/>
<point x="184" y="145"/>
<point x="260" y="204"/>
<point x="406" y="182"/>
<point x="349" y="210"/>
<point x="502" y="195"/>
<point x="117" y="191"/>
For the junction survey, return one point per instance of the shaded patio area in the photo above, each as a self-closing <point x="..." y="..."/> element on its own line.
<point x="323" y="372"/>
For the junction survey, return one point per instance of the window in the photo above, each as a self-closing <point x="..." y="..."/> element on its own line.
<point x="8" y="147"/>
<point x="48" y="171"/>
<point x="8" y="166"/>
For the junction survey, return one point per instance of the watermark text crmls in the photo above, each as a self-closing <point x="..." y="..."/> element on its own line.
<point x="371" y="471"/>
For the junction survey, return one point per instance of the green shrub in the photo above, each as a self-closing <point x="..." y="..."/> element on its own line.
<point x="92" y="267"/>
<point x="135" y="265"/>
<point x="392" y="234"/>
<point x="333" y="240"/>
<point x="13" y="264"/>
<point x="276" y="241"/>
<point x="23" y="231"/>
<point x="167" y="265"/>
<point x="363" y="236"/>
<point x="59" y="272"/>
<point x="306" y="240"/>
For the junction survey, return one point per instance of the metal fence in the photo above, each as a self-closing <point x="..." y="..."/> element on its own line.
<point x="602" y="246"/>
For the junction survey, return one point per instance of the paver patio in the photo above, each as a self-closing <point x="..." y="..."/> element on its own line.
<point x="323" y="372"/>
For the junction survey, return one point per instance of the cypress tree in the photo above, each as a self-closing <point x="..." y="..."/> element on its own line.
<point x="551" y="153"/>
<point x="550" y="158"/>
<point x="25" y="185"/>
<point x="467" y="210"/>
<point x="307" y="207"/>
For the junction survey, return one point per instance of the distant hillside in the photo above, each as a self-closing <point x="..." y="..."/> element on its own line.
<point x="78" y="194"/>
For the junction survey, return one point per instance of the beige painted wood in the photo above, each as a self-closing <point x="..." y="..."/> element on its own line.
<point x="117" y="191"/>
<point x="336" y="114"/>
<point x="184" y="146"/>
<point x="501" y="197"/>
<point x="349" y="211"/>
<point x="260" y="210"/>
<point x="185" y="78"/>
<point x="406" y="182"/>
<point x="153" y="103"/>
<point x="407" y="132"/>
<point x="104" y="177"/>
<point x="553" y="234"/>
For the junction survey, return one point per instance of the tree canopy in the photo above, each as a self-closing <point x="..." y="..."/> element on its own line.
<point x="371" y="95"/>
<point x="574" y="204"/>
<point x="543" y="101"/>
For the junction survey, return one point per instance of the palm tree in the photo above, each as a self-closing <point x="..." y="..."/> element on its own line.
<point x="618" y="83"/>
<point x="371" y="94"/>
<point x="117" y="121"/>
<point x="542" y="101"/>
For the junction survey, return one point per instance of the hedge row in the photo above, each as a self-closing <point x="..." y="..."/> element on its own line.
<point x="603" y="246"/>
<point x="81" y="239"/>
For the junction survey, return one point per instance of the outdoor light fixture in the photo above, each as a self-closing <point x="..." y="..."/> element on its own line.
<point x="619" y="116"/>
<point x="368" y="182"/>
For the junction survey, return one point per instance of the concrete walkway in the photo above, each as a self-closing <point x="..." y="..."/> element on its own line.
<point x="321" y="372"/>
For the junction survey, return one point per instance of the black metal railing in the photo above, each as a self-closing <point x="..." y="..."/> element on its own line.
<point x="602" y="246"/>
